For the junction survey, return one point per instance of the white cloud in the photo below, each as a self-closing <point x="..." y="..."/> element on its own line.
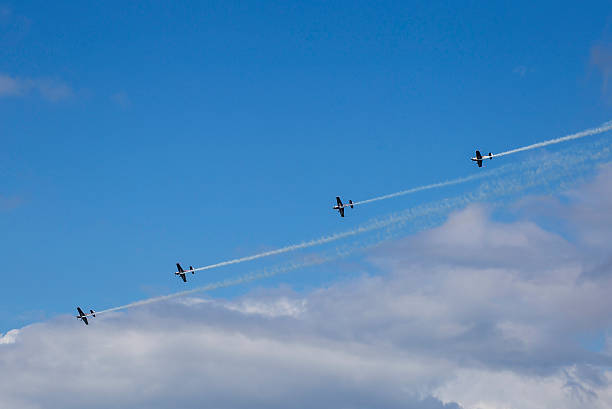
<point x="272" y="304"/>
<point x="9" y="337"/>
<point x="476" y="312"/>
<point x="51" y="90"/>
<point x="506" y="389"/>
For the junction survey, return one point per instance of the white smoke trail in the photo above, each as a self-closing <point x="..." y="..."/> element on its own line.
<point x="398" y="219"/>
<point x="225" y="283"/>
<point x="593" y="131"/>
<point x="359" y="230"/>
<point x="535" y="174"/>
<point x="380" y="223"/>
<point x="421" y="188"/>
<point x="328" y="239"/>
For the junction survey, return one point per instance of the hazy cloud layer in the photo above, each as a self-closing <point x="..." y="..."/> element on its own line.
<point x="474" y="314"/>
<point x="49" y="89"/>
<point x="601" y="58"/>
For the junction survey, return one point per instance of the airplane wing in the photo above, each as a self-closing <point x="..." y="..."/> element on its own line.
<point x="341" y="210"/>
<point x="180" y="269"/>
<point x="82" y="316"/>
<point x="479" y="159"/>
<point x="183" y="277"/>
<point x="339" y="201"/>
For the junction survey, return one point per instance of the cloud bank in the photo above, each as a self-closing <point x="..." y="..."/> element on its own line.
<point x="477" y="313"/>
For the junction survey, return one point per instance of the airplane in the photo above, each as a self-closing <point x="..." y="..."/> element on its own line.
<point x="340" y="207"/>
<point x="478" y="159"/>
<point x="182" y="272"/>
<point x="83" y="317"/>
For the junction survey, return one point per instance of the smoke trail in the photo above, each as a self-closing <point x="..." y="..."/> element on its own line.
<point x="373" y="224"/>
<point x="328" y="239"/>
<point x="398" y="219"/>
<point x="359" y="230"/>
<point x="225" y="283"/>
<point x="535" y="174"/>
<point x="593" y="131"/>
<point x="421" y="188"/>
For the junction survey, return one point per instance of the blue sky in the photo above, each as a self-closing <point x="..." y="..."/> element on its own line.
<point x="133" y="136"/>
<point x="142" y="135"/>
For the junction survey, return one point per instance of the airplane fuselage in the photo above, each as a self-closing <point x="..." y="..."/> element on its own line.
<point x="183" y="273"/>
<point x="83" y="317"/>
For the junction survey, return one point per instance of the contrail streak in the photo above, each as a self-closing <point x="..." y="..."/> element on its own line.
<point x="225" y="283"/>
<point x="339" y="236"/>
<point x="593" y="131"/>
<point x="534" y="174"/>
<point x="395" y="219"/>
<point x="421" y="188"/>
<point x="328" y="239"/>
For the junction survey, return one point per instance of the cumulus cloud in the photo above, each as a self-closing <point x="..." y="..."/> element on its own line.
<point x="474" y="314"/>
<point x="9" y="337"/>
<point x="51" y="90"/>
<point x="271" y="307"/>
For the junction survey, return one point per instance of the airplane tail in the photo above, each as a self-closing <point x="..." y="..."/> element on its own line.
<point x="351" y="203"/>
<point x="93" y="313"/>
<point x="191" y="268"/>
<point x="490" y="155"/>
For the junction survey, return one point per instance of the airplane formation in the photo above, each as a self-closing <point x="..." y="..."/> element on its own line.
<point x="339" y="206"/>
